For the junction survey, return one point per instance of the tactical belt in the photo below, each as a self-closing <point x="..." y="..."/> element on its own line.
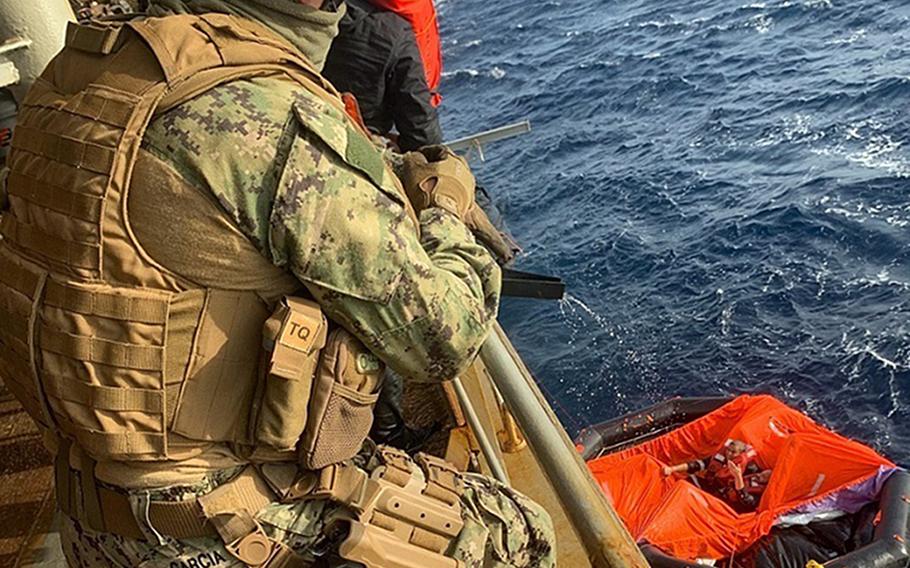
<point x="396" y="518"/>
<point x="227" y="512"/>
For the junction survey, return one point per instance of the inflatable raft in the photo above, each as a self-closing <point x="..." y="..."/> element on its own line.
<point x="829" y="500"/>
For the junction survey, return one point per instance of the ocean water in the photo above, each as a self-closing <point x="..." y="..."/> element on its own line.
<point x="723" y="185"/>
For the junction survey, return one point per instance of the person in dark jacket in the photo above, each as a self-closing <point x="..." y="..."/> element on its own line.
<point x="375" y="58"/>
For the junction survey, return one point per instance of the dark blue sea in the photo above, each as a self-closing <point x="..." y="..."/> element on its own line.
<point x="723" y="186"/>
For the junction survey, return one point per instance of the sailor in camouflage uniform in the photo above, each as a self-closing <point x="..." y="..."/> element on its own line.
<point x="257" y="168"/>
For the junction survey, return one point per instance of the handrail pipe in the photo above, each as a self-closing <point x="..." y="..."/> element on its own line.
<point x="602" y="533"/>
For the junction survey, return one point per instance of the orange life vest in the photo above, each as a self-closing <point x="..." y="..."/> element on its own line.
<point x="718" y="479"/>
<point x="422" y="16"/>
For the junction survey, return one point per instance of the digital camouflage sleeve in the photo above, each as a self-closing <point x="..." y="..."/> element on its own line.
<point x="314" y="197"/>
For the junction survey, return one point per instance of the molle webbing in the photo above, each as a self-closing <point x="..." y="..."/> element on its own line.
<point x="107" y="358"/>
<point x="98" y="339"/>
<point x="73" y="158"/>
<point x="21" y="285"/>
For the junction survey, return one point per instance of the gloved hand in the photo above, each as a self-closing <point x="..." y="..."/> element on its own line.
<point x="436" y="176"/>
<point x="500" y="244"/>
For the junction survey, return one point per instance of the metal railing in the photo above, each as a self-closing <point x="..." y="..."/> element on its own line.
<point x="602" y="533"/>
<point x="475" y="142"/>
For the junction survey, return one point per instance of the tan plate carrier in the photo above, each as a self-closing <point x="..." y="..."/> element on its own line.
<point x="117" y="354"/>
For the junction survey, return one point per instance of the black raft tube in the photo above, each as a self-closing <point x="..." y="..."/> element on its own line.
<point x="888" y="548"/>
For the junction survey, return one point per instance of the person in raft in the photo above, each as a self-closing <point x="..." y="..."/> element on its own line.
<point x="733" y="475"/>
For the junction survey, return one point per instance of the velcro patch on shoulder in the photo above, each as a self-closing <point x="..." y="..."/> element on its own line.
<point x="334" y="128"/>
<point x="363" y="155"/>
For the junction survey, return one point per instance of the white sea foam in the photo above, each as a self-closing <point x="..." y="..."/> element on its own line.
<point x="496" y="73"/>
<point x="880" y="279"/>
<point x="899" y="220"/>
<point x="879" y="151"/>
<point x="656" y="24"/>
<point x="894" y="392"/>
<point x="887" y="363"/>
<point x="797" y="128"/>
<point x="776" y="273"/>
<point x="864" y="349"/>
<point x="762" y="23"/>
<point x="820" y="278"/>
<point x="726" y="318"/>
<point x="864" y="143"/>
<point x="461" y="72"/>
<point x="851" y="39"/>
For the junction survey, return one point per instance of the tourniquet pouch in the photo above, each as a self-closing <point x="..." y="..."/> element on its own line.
<point x="292" y="339"/>
<point x="341" y="405"/>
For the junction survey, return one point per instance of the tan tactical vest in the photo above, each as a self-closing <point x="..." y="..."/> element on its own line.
<point x="134" y="348"/>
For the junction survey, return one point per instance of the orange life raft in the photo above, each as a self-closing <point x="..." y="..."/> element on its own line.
<point x="810" y="464"/>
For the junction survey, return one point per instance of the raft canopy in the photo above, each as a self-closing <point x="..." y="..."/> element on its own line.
<point x="813" y="470"/>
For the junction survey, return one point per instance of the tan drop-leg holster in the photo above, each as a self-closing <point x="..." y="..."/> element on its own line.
<point x="401" y="516"/>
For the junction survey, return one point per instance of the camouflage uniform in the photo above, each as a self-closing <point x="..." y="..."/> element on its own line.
<point x="421" y="303"/>
<point x="301" y="185"/>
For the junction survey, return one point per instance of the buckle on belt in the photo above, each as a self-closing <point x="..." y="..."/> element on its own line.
<point x="254" y="549"/>
<point x="397" y="466"/>
<point x="342" y="483"/>
<point x="443" y="480"/>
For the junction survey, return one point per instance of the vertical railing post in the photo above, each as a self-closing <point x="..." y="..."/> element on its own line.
<point x="486" y="446"/>
<point x="602" y="533"/>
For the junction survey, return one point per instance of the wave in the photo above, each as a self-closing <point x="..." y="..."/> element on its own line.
<point x="723" y="188"/>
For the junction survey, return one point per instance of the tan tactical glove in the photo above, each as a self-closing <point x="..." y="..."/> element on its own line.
<point x="502" y="247"/>
<point x="436" y="176"/>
